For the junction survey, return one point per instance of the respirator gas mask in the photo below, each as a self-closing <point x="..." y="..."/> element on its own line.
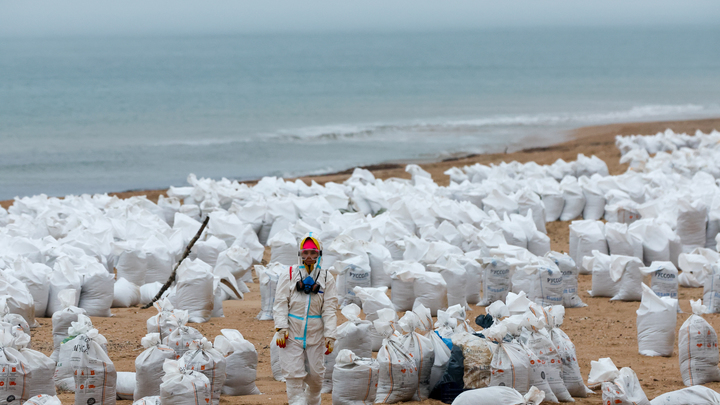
<point x="309" y="285"/>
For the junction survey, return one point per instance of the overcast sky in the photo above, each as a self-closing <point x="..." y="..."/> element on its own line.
<point x="170" y="17"/>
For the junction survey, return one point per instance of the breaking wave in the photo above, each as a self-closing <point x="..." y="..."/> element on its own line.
<point x="346" y="132"/>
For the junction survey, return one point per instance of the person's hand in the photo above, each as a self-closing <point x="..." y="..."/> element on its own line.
<point x="281" y="339"/>
<point x="329" y="345"/>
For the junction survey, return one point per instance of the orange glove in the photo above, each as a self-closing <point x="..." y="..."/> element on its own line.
<point x="281" y="337"/>
<point x="329" y="345"/>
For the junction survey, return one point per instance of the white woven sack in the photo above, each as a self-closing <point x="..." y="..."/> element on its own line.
<point x="574" y="198"/>
<point x="554" y="203"/>
<point x="625" y="271"/>
<point x="154" y="400"/>
<point x="182" y="386"/>
<point x="96" y="291"/>
<point x="13" y="322"/>
<point x="420" y="349"/>
<point x="194" y="290"/>
<point x="131" y="262"/>
<point x="585" y="237"/>
<point x="179" y="339"/>
<point x="225" y="225"/>
<point x="430" y="290"/>
<point x="93" y="371"/>
<point x="63" y="319"/>
<point x="538" y="243"/>
<point x="17" y="298"/>
<point x="373" y="300"/>
<point x="167" y="319"/>
<point x="455" y="276"/>
<point x="602" y="283"/>
<point x="594" y="199"/>
<point x="623" y="242"/>
<point x="283" y="248"/>
<point x="697" y="395"/>
<point x="43" y="400"/>
<point x="656" y="320"/>
<point x="510" y="367"/>
<point x="207" y="251"/>
<point x="500" y="203"/>
<point x="460" y="314"/>
<point x="353" y="272"/>
<point x="398" y="378"/>
<point x="241" y="361"/>
<point x="569" y="271"/>
<point x="149" y="291"/>
<point x="694" y="265"/>
<point x="539" y="374"/>
<point x="16" y="370"/>
<point x="496" y="280"/>
<point x="656" y="245"/>
<point x="64" y="376"/>
<point x="590" y="166"/>
<point x="440" y="349"/>
<point x="445" y="325"/>
<point x="237" y="260"/>
<point x="691" y="223"/>
<point x="403" y="274"/>
<point x="352" y="335"/>
<point x="125" y="386"/>
<point x="499" y="396"/>
<point x="544" y="284"/>
<point x="540" y="343"/>
<point x="202" y="357"/>
<point x="698" y="348"/>
<point x="64" y="276"/>
<point x="149" y="366"/>
<point x="664" y="278"/>
<point x="625" y="389"/>
<point x="125" y="294"/>
<point x="159" y="258"/>
<point x="36" y="277"/>
<point x="378" y="255"/>
<point x="355" y="379"/>
<point x="711" y="290"/>
<point x="268" y="277"/>
<point x="513" y="233"/>
<point x="40" y="367"/>
<point x="528" y="201"/>
<point x="571" y="376"/>
<point x="473" y="282"/>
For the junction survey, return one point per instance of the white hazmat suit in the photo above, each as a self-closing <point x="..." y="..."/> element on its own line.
<point x="310" y="319"/>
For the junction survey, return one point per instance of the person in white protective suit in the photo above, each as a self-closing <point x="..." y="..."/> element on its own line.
<point x="305" y="319"/>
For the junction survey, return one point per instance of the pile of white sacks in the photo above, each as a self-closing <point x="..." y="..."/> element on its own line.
<point x="366" y="225"/>
<point x="49" y="244"/>
<point x="118" y="253"/>
<point x="475" y="241"/>
<point x="525" y="351"/>
<point x="178" y="366"/>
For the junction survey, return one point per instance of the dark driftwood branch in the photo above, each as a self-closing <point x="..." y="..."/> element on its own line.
<point x="171" y="280"/>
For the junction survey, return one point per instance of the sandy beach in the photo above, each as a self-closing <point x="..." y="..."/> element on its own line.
<point x="602" y="329"/>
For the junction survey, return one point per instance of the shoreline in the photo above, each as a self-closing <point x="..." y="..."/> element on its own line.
<point x="596" y="140"/>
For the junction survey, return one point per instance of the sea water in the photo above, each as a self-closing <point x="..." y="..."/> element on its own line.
<point x="100" y="114"/>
